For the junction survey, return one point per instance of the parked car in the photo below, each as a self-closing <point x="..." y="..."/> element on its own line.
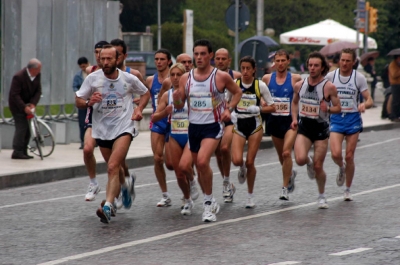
<point x="147" y="57"/>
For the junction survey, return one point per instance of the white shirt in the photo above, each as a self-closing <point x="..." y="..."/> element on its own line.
<point x="29" y="74"/>
<point x="112" y="116"/>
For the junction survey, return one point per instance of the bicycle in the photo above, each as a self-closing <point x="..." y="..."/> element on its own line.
<point x="42" y="143"/>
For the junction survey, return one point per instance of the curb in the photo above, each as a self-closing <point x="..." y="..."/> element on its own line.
<point x="56" y="174"/>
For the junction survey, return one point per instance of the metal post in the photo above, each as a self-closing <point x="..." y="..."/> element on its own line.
<point x="366" y="31"/>
<point x="236" y="33"/>
<point x="159" y="24"/>
<point x="260" y="17"/>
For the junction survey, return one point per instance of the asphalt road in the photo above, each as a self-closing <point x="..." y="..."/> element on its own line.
<point x="52" y="224"/>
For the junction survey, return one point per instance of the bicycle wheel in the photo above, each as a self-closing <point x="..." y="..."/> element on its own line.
<point x="41" y="133"/>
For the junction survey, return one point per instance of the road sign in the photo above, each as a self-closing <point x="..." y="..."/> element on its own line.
<point x="244" y="17"/>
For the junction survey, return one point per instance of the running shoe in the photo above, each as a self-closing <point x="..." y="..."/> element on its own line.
<point x="105" y="214"/>
<point x="228" y="190"/>
<point x="132" y="185"/>
<point x="341" y="175"/>
<point x="113" y="210"/>
<point x="118" y="201"/>
<point x="242" y="174"/>
<point x="126" y="197"/>
<point x="92" y="191"/>
<point x="187" y="208"/>
<point x="194" y="191"/>
<point x="310" y="168"/>
<point x="250" y="204"/>
<point x="322" y="203"/>
<point x="291" y="185"/>
<point x="211" y="208"/>
<point x="347" y="196"/>
<point x="284" y="194"/>
<point x="165" y="202"/>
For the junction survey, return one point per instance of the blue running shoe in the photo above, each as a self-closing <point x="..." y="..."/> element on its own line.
<point x="126" y="198"/>
<point x="104" y="214"/>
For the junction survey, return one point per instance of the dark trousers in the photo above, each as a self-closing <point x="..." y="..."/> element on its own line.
<point x="395" y="112"/>
<point x="22" y="133"/>
<point x="81" y="119"/>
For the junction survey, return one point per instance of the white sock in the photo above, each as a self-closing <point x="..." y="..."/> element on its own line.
<point x="208" y="197"/>
<point x="250" y="195"/>
<point x="226" y="179"/>
<point x="322" y="195"/>
<point x="347" y="189"/>
<point x="108" y="204"/>
<point x="165" y="194"/>
<point x="93" y="181"/>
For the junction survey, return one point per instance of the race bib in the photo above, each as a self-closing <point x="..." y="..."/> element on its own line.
<point x="155" y="103"/>
<point x="246" y="101"/>
<point x="201" y="102"/>
<point x="346" y="103"/>
<point x="179" y="126"/>
<point x="309" y="108"/>
<point x="282" y="107"/>
<point x="112" y="106"/>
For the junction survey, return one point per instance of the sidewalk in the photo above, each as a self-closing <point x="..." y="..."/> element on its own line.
<point x="67" y="160"/>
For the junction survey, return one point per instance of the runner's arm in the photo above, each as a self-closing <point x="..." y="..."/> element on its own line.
<point x="163" y="109"/>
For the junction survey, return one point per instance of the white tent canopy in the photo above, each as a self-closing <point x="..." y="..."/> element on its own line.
<point x="323" y="33"/>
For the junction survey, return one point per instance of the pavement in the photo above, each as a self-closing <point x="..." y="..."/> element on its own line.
<point x="67" y="160"/>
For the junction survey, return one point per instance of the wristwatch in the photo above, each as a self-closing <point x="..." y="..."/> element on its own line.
<point x="87" y="103"/>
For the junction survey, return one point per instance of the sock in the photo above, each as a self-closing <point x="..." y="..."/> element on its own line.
<point x="347" y="189"/>
<point x="108" y="204"/>
<point x="192" y="182"/>
<point x="208" y="197"/>
<point x="284" y="188"/>
<point x="311" y="161"/>
<point x="93" y="181"/>
<point x="165" y="194"/>
<point x="226" y="179"/>
<point x="322" y="195"/>
<point x="250" y="195"/>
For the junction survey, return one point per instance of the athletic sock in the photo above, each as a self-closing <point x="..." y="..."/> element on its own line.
<point x="93" y="181"/>
<point x="165" y="194"/>
<point x="208" y="197"/>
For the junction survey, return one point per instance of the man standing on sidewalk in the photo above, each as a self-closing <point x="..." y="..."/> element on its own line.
<point x="110" y="94"/>
<point x="348" y="123"/>
<point x="25" y="93"/>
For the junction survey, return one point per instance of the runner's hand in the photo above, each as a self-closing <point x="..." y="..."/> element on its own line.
<point x="294" y="125"/>
<point x="137" y="114"/>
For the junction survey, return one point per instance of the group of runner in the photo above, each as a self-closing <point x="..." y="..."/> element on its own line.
<point x="198" y="112"/>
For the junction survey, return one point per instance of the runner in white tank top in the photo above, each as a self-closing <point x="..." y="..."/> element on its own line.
<point x="347" y="124"/>
<point x="204" y="88"/>
<point x="313" y="128"/>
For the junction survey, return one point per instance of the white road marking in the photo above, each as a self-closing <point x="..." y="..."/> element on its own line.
<point x="102" y="251"/>
<point x="170" y="181"/>
<point x="285" y="263"/>
<point x="397" y="237"/>
<point x="348" y="252"/>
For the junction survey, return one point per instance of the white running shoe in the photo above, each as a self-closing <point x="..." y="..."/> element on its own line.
<point x="322" y="203"/>
<point x="291" y="185"/>
<point x="347" y="196"/>
<point x="194" y="191"/>
<point x="211" y="208"/>
<point x="228" y="190"/>
<point x="165" y="202"/>
<point x="118" y="201"/>
<point x="250" y="203"/>
<point x="187" y="208"/>
<point x="284" y="194"/>
<point x="92" y="191"/>
<point x="341" y="175"/>
<point x="310" y="168"/>
<point x="242" y="174"/>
